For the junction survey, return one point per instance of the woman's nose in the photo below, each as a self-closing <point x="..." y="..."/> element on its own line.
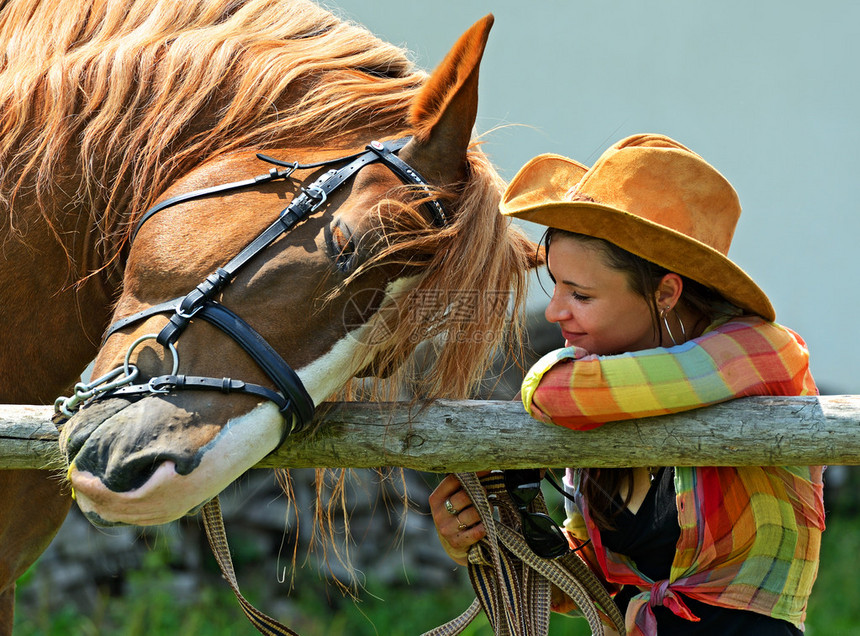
<point x="556" y="311"/>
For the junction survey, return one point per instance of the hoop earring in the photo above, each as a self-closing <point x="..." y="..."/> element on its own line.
<point x="663" y="314"/>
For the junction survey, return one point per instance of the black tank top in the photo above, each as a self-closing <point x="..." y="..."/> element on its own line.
<point x="649" y="538"/>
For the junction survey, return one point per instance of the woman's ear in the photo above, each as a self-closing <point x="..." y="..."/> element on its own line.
<point x="669" y="290"/>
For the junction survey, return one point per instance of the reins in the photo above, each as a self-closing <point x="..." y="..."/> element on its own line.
<point x="213" y="524"/>
<point x="513" y="585"/>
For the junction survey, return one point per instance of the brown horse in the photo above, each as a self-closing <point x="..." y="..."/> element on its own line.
<point x="112" y="107"/>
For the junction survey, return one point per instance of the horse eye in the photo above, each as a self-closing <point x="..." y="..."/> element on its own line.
<point x="342" y="246"/>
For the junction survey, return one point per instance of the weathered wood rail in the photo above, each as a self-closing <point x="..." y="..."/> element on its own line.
<point x="447" y="436"/>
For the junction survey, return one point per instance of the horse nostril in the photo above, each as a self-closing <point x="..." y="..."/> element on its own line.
<point x="124" y="472"/>
<point x="81" y="426"/>
<point x="135" y="471"/>
<point x="115" y="443"/>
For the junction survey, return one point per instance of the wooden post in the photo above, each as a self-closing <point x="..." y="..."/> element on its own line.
<point x="448" y="436"/>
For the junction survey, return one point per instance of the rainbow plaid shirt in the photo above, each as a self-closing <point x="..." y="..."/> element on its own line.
<point x="750" y="536"/>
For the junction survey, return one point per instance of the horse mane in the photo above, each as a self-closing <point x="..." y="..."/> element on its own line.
<point x="478" y="259"/>
<point x="468" y="305"/>
<point x="121" y="98"/>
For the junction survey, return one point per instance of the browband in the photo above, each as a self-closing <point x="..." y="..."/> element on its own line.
<point x="385" y="151"/>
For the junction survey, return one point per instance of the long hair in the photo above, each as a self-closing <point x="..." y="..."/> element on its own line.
<point x="122" y="98"/>
<point x="468" y="304"/>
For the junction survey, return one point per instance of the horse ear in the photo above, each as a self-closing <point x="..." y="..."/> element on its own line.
<point x="443" y="114"/>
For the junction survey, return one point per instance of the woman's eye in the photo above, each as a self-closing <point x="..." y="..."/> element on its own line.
<point x="580" y="297"/>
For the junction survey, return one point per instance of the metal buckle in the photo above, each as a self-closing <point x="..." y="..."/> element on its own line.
<point x="317" y="193"/>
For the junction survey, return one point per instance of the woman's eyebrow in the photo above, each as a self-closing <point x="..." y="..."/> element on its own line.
<point x="575" y="284"/>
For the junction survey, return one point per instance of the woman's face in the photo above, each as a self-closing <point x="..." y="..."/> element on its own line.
<point x="593" y="303"/>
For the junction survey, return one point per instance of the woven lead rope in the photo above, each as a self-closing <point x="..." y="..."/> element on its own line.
<point x="213" y="523"/>
<point x="512" y="585"/>
<point x="569" y="573"/>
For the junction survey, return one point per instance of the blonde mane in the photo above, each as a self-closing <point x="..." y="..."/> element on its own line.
<point x="469" y="304"/>
<point x="121" y="98"/>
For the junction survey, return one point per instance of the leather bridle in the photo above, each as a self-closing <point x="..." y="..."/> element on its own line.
<point x="293" y="401"/>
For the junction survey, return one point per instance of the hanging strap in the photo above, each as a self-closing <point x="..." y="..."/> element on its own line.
<point x="513" y="585"/>
<point x="213" y="523"/>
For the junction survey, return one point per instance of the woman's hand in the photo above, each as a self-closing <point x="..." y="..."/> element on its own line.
<point x="457" y="521"/>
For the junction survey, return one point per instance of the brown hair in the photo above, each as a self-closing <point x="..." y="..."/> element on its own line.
<point x="601" y="486"/>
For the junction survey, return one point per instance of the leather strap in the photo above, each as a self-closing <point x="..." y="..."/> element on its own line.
<point x="408" y="174"/>
<point x="162" y="308"/>
<point x="223" y="188"/>
<point x="165" y="383"/>
<point x="213" y="523"/>
<point x="384" y="151"/>
<point x="293" y="397"/>
<point x="282" y="374"/>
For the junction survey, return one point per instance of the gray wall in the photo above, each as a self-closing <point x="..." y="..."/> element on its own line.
<point x="765" y="90"/>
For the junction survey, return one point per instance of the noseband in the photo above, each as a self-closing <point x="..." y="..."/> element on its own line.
<point x="290" y="395"/>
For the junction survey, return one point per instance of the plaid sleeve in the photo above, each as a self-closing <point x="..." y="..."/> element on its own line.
<point x="742" y="357"/>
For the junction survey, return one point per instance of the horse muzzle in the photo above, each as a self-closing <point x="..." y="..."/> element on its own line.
<point x="152" y="461"/>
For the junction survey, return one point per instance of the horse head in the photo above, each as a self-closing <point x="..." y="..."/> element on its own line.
<point x="222" y="286"/>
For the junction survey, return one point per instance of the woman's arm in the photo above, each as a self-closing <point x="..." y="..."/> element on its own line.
<point x="744" y="356"/>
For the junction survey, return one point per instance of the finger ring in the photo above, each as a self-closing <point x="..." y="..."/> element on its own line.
<point x="461" y="525"/>
<point x="450" y="508"/>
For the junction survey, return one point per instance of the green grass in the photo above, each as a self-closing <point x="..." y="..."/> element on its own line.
<point x="834" y="609"/>
<point x="148" y="606"/>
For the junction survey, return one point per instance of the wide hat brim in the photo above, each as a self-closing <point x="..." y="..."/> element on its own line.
<point x="538" y="194"/>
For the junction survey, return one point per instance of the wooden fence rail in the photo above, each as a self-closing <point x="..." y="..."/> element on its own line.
<point x="448" y="436"/>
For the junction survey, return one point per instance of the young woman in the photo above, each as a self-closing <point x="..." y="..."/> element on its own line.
<point x="658" y="320"/>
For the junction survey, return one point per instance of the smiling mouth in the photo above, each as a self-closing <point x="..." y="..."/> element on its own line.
<point x="572" y="335"/>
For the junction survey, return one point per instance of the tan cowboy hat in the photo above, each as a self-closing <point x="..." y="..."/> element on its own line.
<point x="651" y="196"/>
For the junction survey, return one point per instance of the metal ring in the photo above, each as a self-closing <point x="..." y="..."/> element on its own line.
<point x="450" y="508"/>
<point x="151" y="336"/>
<point x="461" y="525"/>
